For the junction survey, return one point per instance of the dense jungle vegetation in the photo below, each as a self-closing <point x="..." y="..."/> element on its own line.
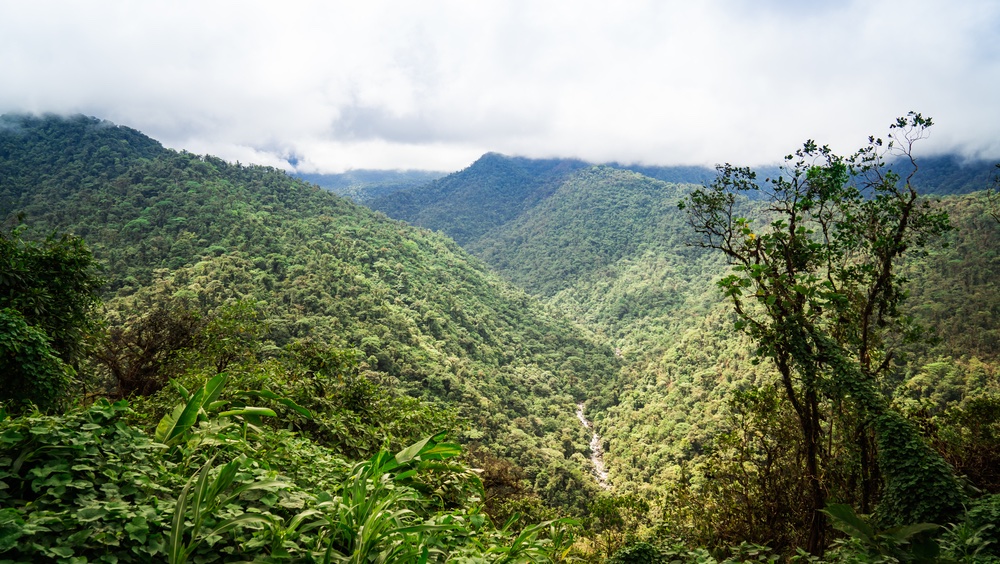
<point x="696" y="426"/>
<point x="383" y="333"/>
<point x="213" y="362"/>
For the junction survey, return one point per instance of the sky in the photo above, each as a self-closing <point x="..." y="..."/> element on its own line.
<point x="328" y="86"/>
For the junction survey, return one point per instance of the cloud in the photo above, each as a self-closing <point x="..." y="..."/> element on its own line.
<point x="434" y="84"/>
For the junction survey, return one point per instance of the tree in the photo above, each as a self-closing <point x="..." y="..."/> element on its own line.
<point x="32" y="373"/>
<point x="169" y="335"/>
<point x="48" y="293"/>
<point x="993" y="196"/>
<point x="815" y="285"/>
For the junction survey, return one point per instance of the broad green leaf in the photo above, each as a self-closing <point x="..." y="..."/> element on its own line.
<point x="267" y="394"/>
<point x="843" y="518"/>
<point x="214" y="387"/>
<point x="187" y="418"/>
<point x="249" y="411"/>
<point x="88" y="514"/>
<point x="166" y="424"/>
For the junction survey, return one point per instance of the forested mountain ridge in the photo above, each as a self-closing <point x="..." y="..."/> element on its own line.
<point x="424" y="316"/>
<point x="597" y="217"/>
<point x="490" y="192"/>
<point x="497" y="189"/>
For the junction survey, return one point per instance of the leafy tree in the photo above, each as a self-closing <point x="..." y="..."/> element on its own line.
<point x="815" y="285"/>
<point x="32" y="373"/>
<point x="163" y="336"/>
<point x="54" y="284"/>
<point x="615" y="520"/>
<point x="754" y="481"/>
<point x="48" y="292"/>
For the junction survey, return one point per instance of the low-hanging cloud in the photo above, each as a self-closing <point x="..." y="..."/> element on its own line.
<point x="396" y="84"/>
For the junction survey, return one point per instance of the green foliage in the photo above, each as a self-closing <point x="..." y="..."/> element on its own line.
<point x="753" y="483"/>
<point x="615" y="520"/>
<point x="48" y="292"/>
<point x="961" y="542"/>
<point x="637" y="553"/>
<point x="152" y="338"/>
<point x="817" y="290"/>
<point x="203" y="496"/>
<point x="375" y="515"/>
<point x="53" y="284"/>
<point x="982" y="528"/>
<point x="908" y="543"/>
<point x="204" y="406"/>
<point x="85" y="485"/>
<point x="33" y="374"/>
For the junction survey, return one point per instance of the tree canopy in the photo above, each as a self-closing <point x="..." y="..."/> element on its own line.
<point x="48" y="294"/>
<point x="817" y="287"/>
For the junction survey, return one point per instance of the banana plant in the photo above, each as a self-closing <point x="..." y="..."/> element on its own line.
<point x="203" y="404"/>
<point x="375" y="515"/>
<point x="200" y="502"/>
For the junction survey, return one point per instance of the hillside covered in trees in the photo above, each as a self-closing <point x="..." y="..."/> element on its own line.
<point x="289" y="357"/>
<point x="696" y="421"/>
<point x="390" y="332"/>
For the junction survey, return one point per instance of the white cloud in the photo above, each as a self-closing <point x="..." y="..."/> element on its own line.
<point x="434" y="84"/>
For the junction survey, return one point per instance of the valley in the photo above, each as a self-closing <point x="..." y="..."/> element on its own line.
<point x="596" y="450"/>
<point x="557" y="319"/>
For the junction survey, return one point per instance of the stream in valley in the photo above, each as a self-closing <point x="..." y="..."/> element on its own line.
<point x="596" y="452"/>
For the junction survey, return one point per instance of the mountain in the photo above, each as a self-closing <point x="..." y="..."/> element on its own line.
<point x="497" y="189"/>
<point x="467" y="204"/>
<point x="595" y="218"/>
<point x="424" y="317"/>
<point x="363" y="185"/>
<point x="952" y="174"/>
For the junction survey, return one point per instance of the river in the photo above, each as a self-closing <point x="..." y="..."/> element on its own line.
<point x="596" y="452"/>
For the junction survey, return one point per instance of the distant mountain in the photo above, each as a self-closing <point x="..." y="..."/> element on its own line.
<point x="497" y="189"/>
<point x="673" y="174"/>
<point x="363" y="185"/>
<point x="938" y="174"/>
<point x="492" y="191"/>
<point x="951" y="174"/>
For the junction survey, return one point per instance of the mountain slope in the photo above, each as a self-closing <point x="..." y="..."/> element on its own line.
<point x="595" y="218"/>
<point x="423" y="313"/>
<point x="608" y="248"/>
<point x="492" y="191"/>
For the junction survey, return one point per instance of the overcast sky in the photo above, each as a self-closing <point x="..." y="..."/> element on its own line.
<point x="429" y="84"/>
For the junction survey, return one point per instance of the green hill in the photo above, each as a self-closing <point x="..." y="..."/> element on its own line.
<point x="617" y="311"/>
<point x="425" y="317"/>
<point x="467" y="204"/>
<point x="597" y="217"/>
